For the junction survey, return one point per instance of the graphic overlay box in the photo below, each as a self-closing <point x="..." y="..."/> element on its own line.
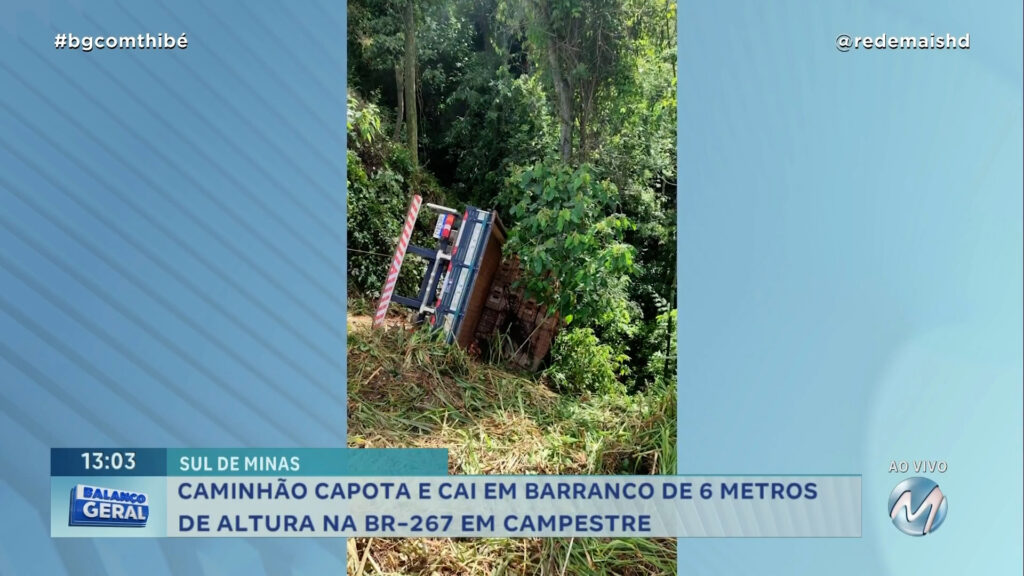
<point x="101" y="506"/>
<point x="331" y="493"/>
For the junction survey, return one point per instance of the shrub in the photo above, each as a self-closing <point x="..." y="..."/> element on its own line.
<point x="568" y="239"/>
<point x="378" y="193"/>
<point x="581" y="363"/>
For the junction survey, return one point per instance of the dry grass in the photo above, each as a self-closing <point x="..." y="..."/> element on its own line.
<point x="406" y="390"/>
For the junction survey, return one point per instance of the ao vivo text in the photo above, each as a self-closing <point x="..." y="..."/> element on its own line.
<point x="919" y="466"/>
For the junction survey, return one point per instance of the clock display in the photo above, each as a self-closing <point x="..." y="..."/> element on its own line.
<point x="109" y="460"/>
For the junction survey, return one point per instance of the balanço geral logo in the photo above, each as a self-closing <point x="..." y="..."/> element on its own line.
<point x="917" y="506"/>
<point x="97" y="506"/>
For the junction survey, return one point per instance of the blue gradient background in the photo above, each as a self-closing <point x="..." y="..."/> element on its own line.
<point x="173" y="257"/>
<point x="850" y="271"/>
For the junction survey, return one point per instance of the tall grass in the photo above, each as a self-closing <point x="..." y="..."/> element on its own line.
<point x="407" y="389"/>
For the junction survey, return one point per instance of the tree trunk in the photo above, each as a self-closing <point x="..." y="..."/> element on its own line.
<point x="400" y="96"/>
<point x="584" y="140"/>
<point x="410" y="81"/>
<point x="563" y="92"/>
<point x="564" y="96"/>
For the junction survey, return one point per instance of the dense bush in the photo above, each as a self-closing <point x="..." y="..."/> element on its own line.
<point x="657" y="366"/>
<point x="376" y="196"/>
<point x="568" y="239"/>
<point x="581" y="363"/>
<point x="496" y="128"/>
<point x="380" y="175"/>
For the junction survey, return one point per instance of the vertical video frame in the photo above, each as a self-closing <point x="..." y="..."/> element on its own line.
<point x="511" y="193"/>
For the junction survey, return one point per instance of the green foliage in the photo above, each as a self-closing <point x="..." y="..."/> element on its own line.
<point x="377" y="200"/>
<point x="567" y="239"/>
<point x="658" y="366"/>
<point x="580" y="363"/>
<point x="444" y="51"/>
<point x="498" y="128"/>
<point x="636" y="116"/>
<point x="595" y="234"/>
<point x="409" y="391"/>
<point x="375" y="37"/>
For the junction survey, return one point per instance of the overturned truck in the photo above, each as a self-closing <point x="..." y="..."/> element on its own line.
<point x="469" y="290"/>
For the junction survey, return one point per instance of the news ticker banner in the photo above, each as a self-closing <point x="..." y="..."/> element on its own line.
<point x="333" y="493"/>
